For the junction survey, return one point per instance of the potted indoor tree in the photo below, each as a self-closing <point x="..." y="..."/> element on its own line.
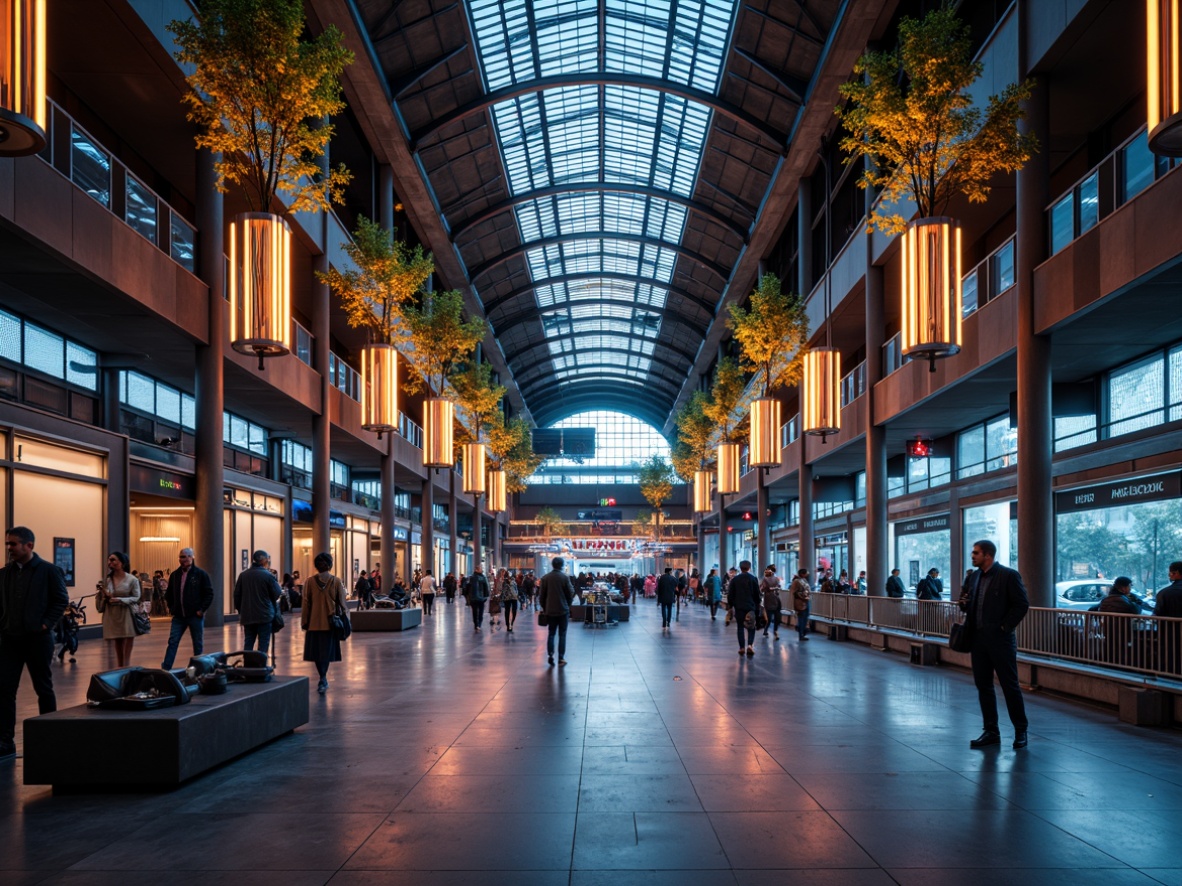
<point x="724" y="408"/>
<point x="691" y="453"/>
<point x="910" y="115"/>
<point x="386" y="276"/>
<point x="261" y="96"/>
<point x="773" y="334"/>
<point x="439" y="340"/>
<point x="655" y="478"/>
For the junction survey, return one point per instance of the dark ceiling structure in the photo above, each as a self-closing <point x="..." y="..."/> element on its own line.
<point x="601" y="169"/>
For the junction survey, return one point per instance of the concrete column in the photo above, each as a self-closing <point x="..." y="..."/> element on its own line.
<point x="763" y="536"/>
<point x="386" y="471"/>
<point x="723" y="547"/>
<point x="703" y="566"/>
<point x="1036" y="531"/>
<point x="878" y="566"/>
<point x="427" y="544"/>
<point x="477" y="553"/>
<point x="321" y="422"/>
<point x="209" y="546"/>
<point x="808" y="549"/>
<point x="110" y="402"/>
<point x="453" y="523"/>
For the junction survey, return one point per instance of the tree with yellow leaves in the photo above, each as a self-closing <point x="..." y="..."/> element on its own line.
<point x="439" y="340"/>
<point x="692" y="450"/>
<point x="725" y="406"/>
<point x="261" y="94"/>
<point x="773" y="334"/>
<point x="910" y="113"/>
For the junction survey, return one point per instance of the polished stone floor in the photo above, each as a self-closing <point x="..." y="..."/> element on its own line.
<point x="440" y="756"/>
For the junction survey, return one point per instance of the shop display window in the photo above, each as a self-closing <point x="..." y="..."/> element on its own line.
<point x="916" y="554"/>
<point x="998" y="522"/>
<point x="1138" y="540"/>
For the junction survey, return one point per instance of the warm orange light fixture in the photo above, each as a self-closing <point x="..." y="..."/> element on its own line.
<point x="379" y="388"/>
<point x="820" y="395"/>
<point x="763" y="451"/>
<point x="702" y="480"/>
<point x="931" y="289"/>
<point x="439" y="419"/>
<point x="23" y="109"/>
<point x="498" y="499"/>
<point x="260" y="285"/>
<point x="474" y="458"/>
<point x="728" y="468"/>
<point x="1163" y="81"/>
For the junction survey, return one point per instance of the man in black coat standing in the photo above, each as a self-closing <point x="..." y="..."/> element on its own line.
<point x="189" y="595"/>
<point x="478" y="594"/>
<point x="894" y="585"/>
<point x="995" y="605"/>
<point x="256" y="599"/>
<point x="32" y="599"/>
<point x="556" y="593"/>
<point x="743" y="597"/>
<point x="666" y="595"/>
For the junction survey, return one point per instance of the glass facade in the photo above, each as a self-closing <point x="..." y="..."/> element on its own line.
<point x="37" y="348"/>
<point x="621" y="442"/>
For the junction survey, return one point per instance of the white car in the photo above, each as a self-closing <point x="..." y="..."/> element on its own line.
<point x="1083" y="594"/>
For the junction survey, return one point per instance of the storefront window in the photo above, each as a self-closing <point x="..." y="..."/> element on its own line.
<point x="920" y="544"/>
<point x="998" y="522"/>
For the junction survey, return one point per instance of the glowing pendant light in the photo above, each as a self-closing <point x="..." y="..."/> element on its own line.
<point x="23" y="109"/>
<point x="379" y="388"/>
<point x="763" y="450"/>
<point x="702" y="480"/>
<point x="497" y="494"/>
<point x="728" y="468"/>
<point x="820" y="412"/>
<point x="260" y="285"/>
<point x="474" y="455"/>
<point x="439" y="418"/>
<point x="1163" y="77"/>
<point x="931" y="289"/>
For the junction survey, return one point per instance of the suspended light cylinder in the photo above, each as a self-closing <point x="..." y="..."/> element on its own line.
<point x="763" y="450"/>
<point x="1163" y="77"/>
<point x="702" y="480"/>
<point x="931" y="289"/>
<point x="498" y="499"/>
<point x="728" y="468"/>
<point x="474" y="456"/>
<point x="379" y="388"/>
<point x="23" y="109"/>
<point x="260" y="285"/>
<point x="820" y="411"/>
<point x="439" y="418"/>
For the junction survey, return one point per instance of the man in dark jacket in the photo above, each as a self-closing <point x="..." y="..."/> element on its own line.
<point x="1169" y="605"/>
<point x="995" y="606"/>
<point x="190" y="594"/>
<point x="477" y="595"/>
<point x="32" y="599"/>
<point x="930" y="587"/>
<point x="256" y="599"/>
<point x="666" y="594"/>
<point x="894" y="585"/>
<point x="744" y="597"/>
<point x="556" y="592"/>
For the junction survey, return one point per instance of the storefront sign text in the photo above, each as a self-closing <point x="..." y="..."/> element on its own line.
<point x="923" y="524"/>
<point x="1161" y="487"/>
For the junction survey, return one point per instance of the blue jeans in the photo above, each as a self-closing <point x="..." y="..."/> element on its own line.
<point x="261" y="632"/>
<point x="666" y="614"/>
<point x="557" y="625"/>
<point x="802" y="621"/>
<point x="195" y="625"/>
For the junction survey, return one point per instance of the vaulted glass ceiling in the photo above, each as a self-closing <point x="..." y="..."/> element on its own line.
<point x="646" y="141"/>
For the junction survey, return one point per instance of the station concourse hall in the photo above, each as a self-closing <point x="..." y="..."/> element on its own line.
<point x="832" y="346"/>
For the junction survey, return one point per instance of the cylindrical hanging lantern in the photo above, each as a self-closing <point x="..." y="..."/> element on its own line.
<point x="728" y="468"/>
<point x="820" y="395"/>
<point x="23" y="109"/>
<point x="1163" y="78"/>
<point x="931" y="289"/>
<point x="260" y="285"/>
<point x="474" y="468"/>
<point x="702" y="481"/>
<point x="379" y="388"/>
<point x="439" y="418"/>
<point x="763" y="450"/>
<point x="497" y="497"/>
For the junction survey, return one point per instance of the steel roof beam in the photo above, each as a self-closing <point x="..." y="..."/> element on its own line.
<point x="702" y="303"/>
<point x="676" y="367"/>
<point x="536" y="312"/>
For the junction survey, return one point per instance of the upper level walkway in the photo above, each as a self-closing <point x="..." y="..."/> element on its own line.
<point x="442" y="756"/>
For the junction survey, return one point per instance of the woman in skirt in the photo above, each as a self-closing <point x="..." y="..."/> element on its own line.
<point x="324" y="596"/>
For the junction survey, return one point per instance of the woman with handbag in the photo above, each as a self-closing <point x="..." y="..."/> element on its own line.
<point x="509" y="598"/>
<point x="770" y="588"/>
<point x="324" y="601"/>
<point x="118" y="593"/>
<point x="801" y="592"/>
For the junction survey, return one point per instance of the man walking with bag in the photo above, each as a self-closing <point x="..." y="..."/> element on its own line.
<point x="256" y="599"/>
<point x="557" y="592"/>
<point x="744" y="600"/>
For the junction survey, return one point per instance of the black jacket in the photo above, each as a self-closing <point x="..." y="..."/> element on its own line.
<point x="557" y="592"/>
<point x="45" y="597"/>
<point x="743" y="594"/>
<point x="1169" y="600"/>
<point x="894" y="587"/>
<point x="255" y="594"/>
<point x="478" y="587"/>
<point x="666" y="589"/>
<point x="196" y="596"/>
<point x="929" y="588"/>
<point x="1005" y="602"/>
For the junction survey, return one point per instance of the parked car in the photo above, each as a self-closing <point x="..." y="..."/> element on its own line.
<point x="1083" y="594"/>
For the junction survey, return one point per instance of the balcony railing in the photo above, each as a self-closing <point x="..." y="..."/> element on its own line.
<point x="344" y="377"/>
<point x="410" y="431"/>
<point x="853" y="385"/>
<point x="790" y="430"/>
<point x="81" y="158"/>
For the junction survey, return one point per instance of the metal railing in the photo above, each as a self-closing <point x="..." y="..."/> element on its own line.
<point x="1137" y="643"/>
<point x="853" y="385"/>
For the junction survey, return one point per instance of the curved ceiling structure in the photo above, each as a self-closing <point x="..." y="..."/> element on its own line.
<point x="600" y="167"/>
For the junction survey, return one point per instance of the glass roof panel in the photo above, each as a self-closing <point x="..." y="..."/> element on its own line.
<point x="609" y="213"/>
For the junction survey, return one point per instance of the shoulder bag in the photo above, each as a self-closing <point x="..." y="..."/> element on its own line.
<point x="338" y="622"/>
<point x="277" y="621"/>
<point x="960" y="637"/>
<point x="139" y="620"/>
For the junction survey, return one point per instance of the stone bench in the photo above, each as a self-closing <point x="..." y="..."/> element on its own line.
<point x="386" y="619"/>
<point x="164" y="747"/>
